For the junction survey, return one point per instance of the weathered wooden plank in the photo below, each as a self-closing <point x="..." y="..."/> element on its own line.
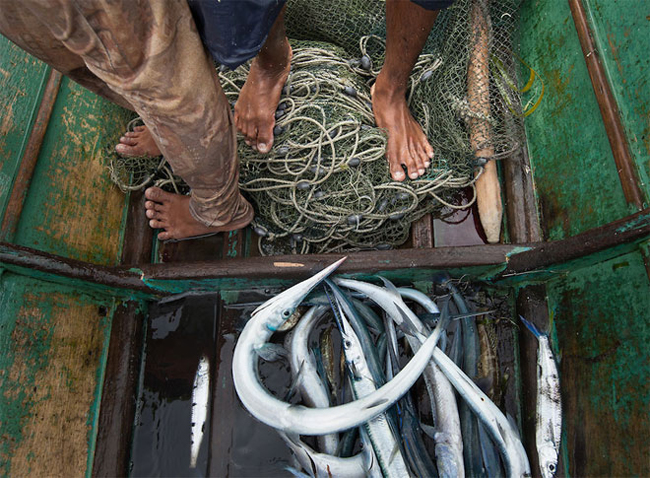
<point x="29" y="158"/>
<point x="422" y="232"/>
<point x="619" y="30"/>
<point x="138" y="236"/>
<point x="576" y="180"/>
<point x="633" y="228"/>
<point x="193" y="250"/>
<point x="531" y="304"/>
<point x="119" y="392"/>
<point x="176" y="277"/>
<point x="609" y="111"/>
<point x="599" y="324"/>
<point x="72" y="208"/>
<point x="52" y="349"/>
<point x="22" y="78"/>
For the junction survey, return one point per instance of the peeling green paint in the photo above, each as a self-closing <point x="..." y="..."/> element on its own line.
<point x="602" y="322"/>
<point x="576" y="179"/>
<point x="22" y="80"/>
<point x="229" y="297"/>
<point x="39" y="369"/>
<point x="620" y="30"/>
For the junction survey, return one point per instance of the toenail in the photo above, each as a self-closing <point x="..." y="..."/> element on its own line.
<point x="427" y="164"/>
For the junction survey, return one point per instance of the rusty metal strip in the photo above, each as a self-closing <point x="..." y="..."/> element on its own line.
<point x="608" y="109"/>
<point x="30" y="157"/>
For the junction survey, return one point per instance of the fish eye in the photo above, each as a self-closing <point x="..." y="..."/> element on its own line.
<point x="551" y="468"/>
<point x="286" y="313"/>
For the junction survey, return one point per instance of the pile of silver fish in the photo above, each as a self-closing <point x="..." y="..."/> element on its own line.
<point x="375" y="409"/>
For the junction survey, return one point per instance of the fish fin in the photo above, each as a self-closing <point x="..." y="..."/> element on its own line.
<point x="513" y="424"/>
<point x="391" y="288"/>
<point x="530" y="326"/>
<point x="428" y="430"/>
<point x="294" y="384"/>
<point x="295" y="472"/>
<point x="272" y="352"/>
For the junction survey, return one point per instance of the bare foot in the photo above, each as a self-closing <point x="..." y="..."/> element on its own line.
<point x="407" y="143"/>
<point x="137" y="143"/>
<point x="260" y="95"/>
<point x="171" y="212"/>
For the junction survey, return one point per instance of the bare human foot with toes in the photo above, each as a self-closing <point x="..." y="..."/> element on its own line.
<point x="171" y="212"/>
<point x="138" y="142"/>
<point x="260" y="95"/>
<point x="407" y="28"/>
<point x="407" y="143"/>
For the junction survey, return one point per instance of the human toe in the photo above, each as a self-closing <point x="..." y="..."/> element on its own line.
<point x="165" y="236"/>
<point x="125" y="150"/>
<point x="156" y="224"/>
<point x="131" y="141"/>
<point x="155" y="194"/>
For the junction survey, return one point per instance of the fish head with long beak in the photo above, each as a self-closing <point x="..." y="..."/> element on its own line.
<point x="281" y="307"/>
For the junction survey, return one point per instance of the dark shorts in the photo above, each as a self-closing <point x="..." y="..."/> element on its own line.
<point x="434" y="4"/>
<point x="234" y="31"/>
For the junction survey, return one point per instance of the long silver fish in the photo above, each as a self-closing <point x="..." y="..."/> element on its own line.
<point x="448" y="436"/>
<point x="504" y="433"/>
<point x="449" y="443"/>
<point x="200" y="404"/>
<point x="384" y="442"/>
<point x="303" y="368"/>
<point x="322" y="465"/>
<point x="548" y="421"/>
<point x="298" y="419"/>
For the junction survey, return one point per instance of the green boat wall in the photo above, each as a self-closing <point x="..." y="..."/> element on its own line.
<point x="54" y="335"/>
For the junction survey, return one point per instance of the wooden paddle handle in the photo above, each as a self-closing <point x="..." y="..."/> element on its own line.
<point x="488" y="190"/>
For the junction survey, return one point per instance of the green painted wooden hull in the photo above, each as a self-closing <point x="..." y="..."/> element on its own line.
<point x="55" y="331"/>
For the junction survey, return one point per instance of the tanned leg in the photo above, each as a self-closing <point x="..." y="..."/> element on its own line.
<point x="259" y="98"/>
<point x="408" y="26"/>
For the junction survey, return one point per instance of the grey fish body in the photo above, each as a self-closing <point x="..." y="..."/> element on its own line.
<point x="379" y="431"/>
<point x="312" y="389"/>
<point x="322" y="465"/>
<point x="444" y="402"/>
<point x="200" y="404"/>
<point x="298" y="419"/>
<point x="548" y="421"/>
<point x="448" y="436"/>
<point x="503" y="433"/>
<point x="548" y="431"/>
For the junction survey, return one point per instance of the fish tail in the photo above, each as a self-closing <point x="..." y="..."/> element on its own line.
<point x="530" y="326"/>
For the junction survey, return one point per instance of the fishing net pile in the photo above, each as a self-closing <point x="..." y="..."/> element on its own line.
<point x="326" y="186"/>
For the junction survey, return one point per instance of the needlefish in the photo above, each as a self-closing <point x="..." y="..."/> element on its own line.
<point x="200" y="404"/>
<point x="298" y="419"/>
<point x="381" y="435"/>
<point x="449" y="444"/>
<point x="548" y="419"/>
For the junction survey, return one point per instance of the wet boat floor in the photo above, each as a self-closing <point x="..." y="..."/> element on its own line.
<point x="235" y="444"/>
